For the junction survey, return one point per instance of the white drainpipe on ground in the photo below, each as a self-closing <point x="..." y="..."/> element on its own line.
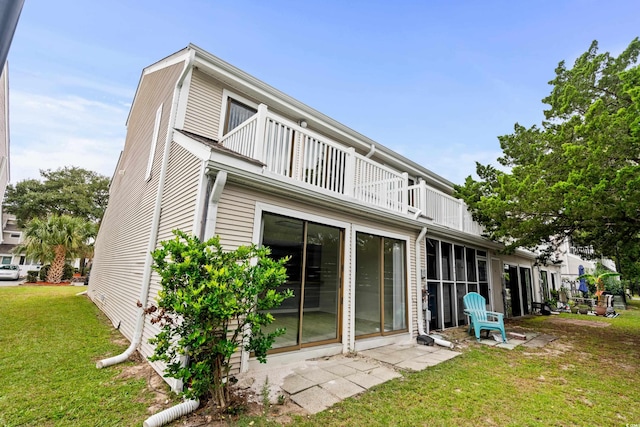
<point x="170" y="414"/>
<point x="421" y="331"/>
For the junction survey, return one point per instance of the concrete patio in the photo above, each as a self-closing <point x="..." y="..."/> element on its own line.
<point x="316" y="385"/>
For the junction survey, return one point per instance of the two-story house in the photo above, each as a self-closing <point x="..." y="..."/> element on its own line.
<point x="380" y="250"/>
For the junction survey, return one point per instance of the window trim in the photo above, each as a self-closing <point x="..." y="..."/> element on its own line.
<point x="226" y="94"/>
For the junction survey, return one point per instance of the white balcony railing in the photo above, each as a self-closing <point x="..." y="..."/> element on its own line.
<point x="292" y="151"/>
<point x="442" y="208"/>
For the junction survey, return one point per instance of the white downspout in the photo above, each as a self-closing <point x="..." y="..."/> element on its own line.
<point x="371" y="151"/>
<point x="212" y="204"/>
<point x="421" y="331"/>
<point x="146" y="278"/>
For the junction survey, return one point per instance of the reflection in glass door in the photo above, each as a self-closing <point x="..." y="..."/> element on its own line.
<point x="380" y="294"/>
<point x="312" y="316"/>
<point x="527" y="290"/>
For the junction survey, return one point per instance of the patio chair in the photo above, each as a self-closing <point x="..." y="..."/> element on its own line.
<point x="479" y="318"/>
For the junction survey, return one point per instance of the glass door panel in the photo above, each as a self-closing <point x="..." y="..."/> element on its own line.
<point x="368" y="275"/>
<point x="285" y="238"/>
<point x="380" y="295"/>
<point x="394" y="286"/>
<point x="313" y="274"/>
<point x="322" y="284"/>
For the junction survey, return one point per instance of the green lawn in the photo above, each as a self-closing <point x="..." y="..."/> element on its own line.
<point x="589" y="376"/>
<point x="50" y="340"/>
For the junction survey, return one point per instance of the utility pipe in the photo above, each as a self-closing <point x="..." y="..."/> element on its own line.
<point x="146" y="278"/>
<point x="170" y="414"/>
<point x="438" y="340"/>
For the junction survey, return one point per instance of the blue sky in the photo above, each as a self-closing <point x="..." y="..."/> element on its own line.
<point x="437" y="81"/>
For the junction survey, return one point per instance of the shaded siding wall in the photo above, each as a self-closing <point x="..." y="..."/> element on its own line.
<point x="203" y="106"/>
<point x="235" y="226"/>
<point x="121" y="245"/>
<point x="178" y="210"/>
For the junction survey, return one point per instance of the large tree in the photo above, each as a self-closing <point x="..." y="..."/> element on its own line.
<point x="55" y="240"/>
<point x="577" y="174"/>
<point x="66" y="191"/>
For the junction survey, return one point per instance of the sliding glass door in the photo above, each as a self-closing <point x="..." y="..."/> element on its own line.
<point x="380" y="294"/>
<point x="314" y="273"/>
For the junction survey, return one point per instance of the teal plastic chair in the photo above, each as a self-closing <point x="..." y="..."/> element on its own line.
<point x="475" y="307"/>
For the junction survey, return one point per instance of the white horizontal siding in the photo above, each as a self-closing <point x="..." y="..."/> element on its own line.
<point x="122" y="242"/>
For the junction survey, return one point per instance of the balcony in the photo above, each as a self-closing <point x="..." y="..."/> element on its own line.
<point x="314" y="160"/>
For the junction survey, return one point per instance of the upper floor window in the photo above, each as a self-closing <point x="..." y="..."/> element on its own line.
<point x="237" y="112"/>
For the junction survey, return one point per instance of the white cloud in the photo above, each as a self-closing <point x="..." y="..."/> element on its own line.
<point x="49" y="132"/>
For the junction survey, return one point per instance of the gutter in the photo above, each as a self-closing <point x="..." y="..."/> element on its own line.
<point x="146" y="278"/>
<point x="421" y="331"/>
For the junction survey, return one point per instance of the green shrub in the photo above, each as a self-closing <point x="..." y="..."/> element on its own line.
<point x="32" y="276"/>
<point x="222" y="298"/>
<point x="67" y="273"/>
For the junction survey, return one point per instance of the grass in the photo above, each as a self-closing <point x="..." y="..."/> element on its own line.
<point x="589" y="376"/>
<point x="50" y="340"/>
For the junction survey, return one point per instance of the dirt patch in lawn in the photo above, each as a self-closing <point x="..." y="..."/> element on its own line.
<point x="243" y="402"/>
<point x="578" y="322"/>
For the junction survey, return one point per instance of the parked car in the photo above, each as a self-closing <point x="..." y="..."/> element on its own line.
<point x="9" y="271"/>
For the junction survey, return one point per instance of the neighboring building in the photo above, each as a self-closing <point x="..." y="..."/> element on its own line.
<point x="212" y="150"/>
<point x="12" y="235"/>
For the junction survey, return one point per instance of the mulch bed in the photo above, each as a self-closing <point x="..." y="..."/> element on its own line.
<point x="46" y="284"/>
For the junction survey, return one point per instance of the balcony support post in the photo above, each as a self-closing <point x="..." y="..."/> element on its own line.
<point x="350" y="172"/>
<point x="404" y="193"/>
<point x="258" y="146"/>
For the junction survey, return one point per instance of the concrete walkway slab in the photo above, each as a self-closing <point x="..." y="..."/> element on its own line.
<point x="316" y="385"/>
<point x="315" y="399"/>
<point x="295" y="383"/>
<point x="342" y="388"/>
<point x="365" y="380"/>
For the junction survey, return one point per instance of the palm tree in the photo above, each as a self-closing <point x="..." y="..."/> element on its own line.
<point x="55" y="240"/>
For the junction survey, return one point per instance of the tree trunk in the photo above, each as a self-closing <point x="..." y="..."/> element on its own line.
<point x="57" y="266"/>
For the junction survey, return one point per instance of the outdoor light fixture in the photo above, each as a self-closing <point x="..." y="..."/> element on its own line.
<point x="302" y="123"/>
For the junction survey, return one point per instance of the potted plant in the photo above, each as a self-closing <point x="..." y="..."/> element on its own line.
<point x="572" y="306"/>
<point x="598" y="279"/>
